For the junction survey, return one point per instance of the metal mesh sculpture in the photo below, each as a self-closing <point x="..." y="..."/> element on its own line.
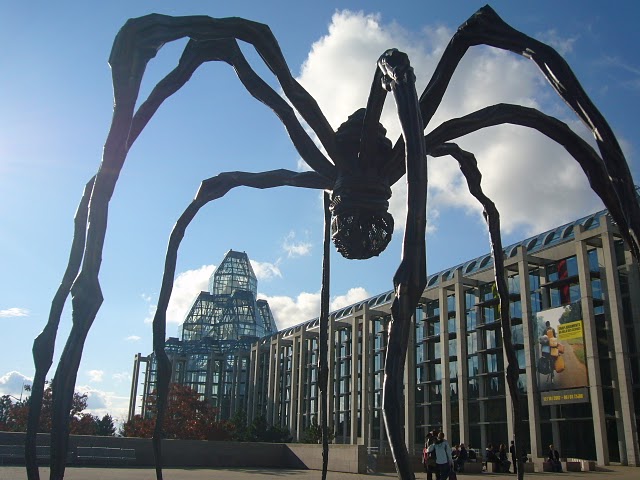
<point x="361" y="167"/>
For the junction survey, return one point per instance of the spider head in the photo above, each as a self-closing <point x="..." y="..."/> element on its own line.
<point x="361" y="226"/>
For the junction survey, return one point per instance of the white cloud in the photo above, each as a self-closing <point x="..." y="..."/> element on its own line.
<point x="295" y="248"/>
<point x="95" y="375"/>
<point x="13" y="383"/>
<point x="101" y="402"/>
<point x="121" y="377"/>
<point x="186" y="288"/>
<point x="288" y="311"/>
<point x="533" y="182"/>
<point x="354" y="295"/>
<point x="265" y="270"/>
<point x="132" y="338"/>
<point x="14" y="312"/>
<point x="563" y="45"/>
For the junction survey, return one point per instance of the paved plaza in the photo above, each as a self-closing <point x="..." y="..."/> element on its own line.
<point x="88" y="473"/>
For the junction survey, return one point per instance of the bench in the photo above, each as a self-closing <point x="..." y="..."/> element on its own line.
<point x="567" y="466"/>
<point x="471" y="466"/>
<point x="529" y="467"/>
<point x="585" y="465"/>
<point x="105" y="455"/>
<point x="15" y="453"/>
<point x="495" y="467"/>
<point x="11" y="452"/>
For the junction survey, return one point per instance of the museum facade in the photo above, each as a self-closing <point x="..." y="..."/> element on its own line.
<point x="575" y="323"/>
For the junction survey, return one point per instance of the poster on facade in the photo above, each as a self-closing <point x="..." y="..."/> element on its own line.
<point x="560" y="353"/>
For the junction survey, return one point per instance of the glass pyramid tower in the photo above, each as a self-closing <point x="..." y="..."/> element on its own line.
<point x="212" y="355"/>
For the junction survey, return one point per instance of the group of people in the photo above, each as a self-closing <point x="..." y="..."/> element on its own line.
<point x="499" y="456"/>
<point x="440" y="459"/>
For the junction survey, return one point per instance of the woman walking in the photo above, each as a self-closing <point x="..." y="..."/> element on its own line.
<point x="444" y="460"/>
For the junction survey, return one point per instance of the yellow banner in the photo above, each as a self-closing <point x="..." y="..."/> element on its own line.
<point x="570" y="330"/>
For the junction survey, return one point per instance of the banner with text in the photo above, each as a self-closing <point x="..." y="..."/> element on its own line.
<point x="561" y="361"/>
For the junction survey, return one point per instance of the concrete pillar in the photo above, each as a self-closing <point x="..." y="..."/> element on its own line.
<point x="143" y="407"/>
<point x="461" y="355"/>
<point x="235" y="387"/>
<point x="133" y="396"/>
<point x="634" y="300"/>
<point x="292" y="421"/>
<point x="507" y="400"/>
<point x="627" y="429"/>
<point x="331" y="360"/>
<point x="272" y="369"/>
<point x="591" y="348"/>
<point x="252" y="390"/>
<point x="529" y="335"/>
<point x="444" y="360"/>
<point x="301" y="374"/>
<point x="366" y="397"/>
<point x="353" y="434"/>
<point x="278" y="374"/>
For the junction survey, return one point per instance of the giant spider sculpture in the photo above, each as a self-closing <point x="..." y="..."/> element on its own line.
<point x="359" y="168"/>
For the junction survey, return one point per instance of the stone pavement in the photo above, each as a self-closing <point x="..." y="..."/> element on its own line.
<point x="92" y="473"/>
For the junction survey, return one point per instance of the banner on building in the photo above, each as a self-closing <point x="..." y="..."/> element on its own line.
<point x="560" y="355"/>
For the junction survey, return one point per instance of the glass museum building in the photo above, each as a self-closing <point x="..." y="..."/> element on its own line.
<point x="575" y="323"/>
<point x="212" y="353"/>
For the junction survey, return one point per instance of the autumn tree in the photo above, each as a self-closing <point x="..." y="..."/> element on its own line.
<point x="14" y="415"/>
<point x="188" y="417"/>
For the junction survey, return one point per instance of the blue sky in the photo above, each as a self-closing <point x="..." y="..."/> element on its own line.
<point x="56" y="97"/>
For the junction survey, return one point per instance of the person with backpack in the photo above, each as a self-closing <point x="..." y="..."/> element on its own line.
<point x="444" y="459"/>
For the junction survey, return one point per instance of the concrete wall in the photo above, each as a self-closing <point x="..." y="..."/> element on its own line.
<point x="342" y="458"/>
<point x="198" y="453"/>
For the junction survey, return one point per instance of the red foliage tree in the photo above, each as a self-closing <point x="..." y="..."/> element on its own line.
<point x="188" y="417"/>
<point x="15" y="415"/>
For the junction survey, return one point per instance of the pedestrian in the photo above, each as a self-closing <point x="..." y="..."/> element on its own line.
<point x="463" y="456"/>
<point x="512" y="451"/>
<point x="428" y="459"/>
<point x="553" y="457"/>
<point x="503" y="458"/>
<point x="490" y="455"/>
<point x="444" y="460"/>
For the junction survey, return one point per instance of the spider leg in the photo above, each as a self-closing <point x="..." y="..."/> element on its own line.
<point x="227" y="50"/>
<point x="580" y="150"/>
<point x="210" y="189"/>
<point x="410" y="278"/>
<point x="375" y="103"/>
<point x="486" y="27"/>
<point x="469" y="168"/>
<point x="323" y="363"/>
<point x="43" y="345"/>
<point x="136" y="44"/>
<point x="157" y="29"/>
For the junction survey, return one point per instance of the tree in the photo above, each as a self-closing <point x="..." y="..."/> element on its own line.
<point x="187" y="417"/>
<point x="14" y="415"/>
<point x="261" y="431"/>
<point x="105" y="426"/>
<point x="313" y="434"/>
<point x="238" y="422"/>
<point x="5" y="408"/>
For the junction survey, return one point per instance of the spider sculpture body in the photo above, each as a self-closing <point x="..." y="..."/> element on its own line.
<point x="360" y="167"/>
